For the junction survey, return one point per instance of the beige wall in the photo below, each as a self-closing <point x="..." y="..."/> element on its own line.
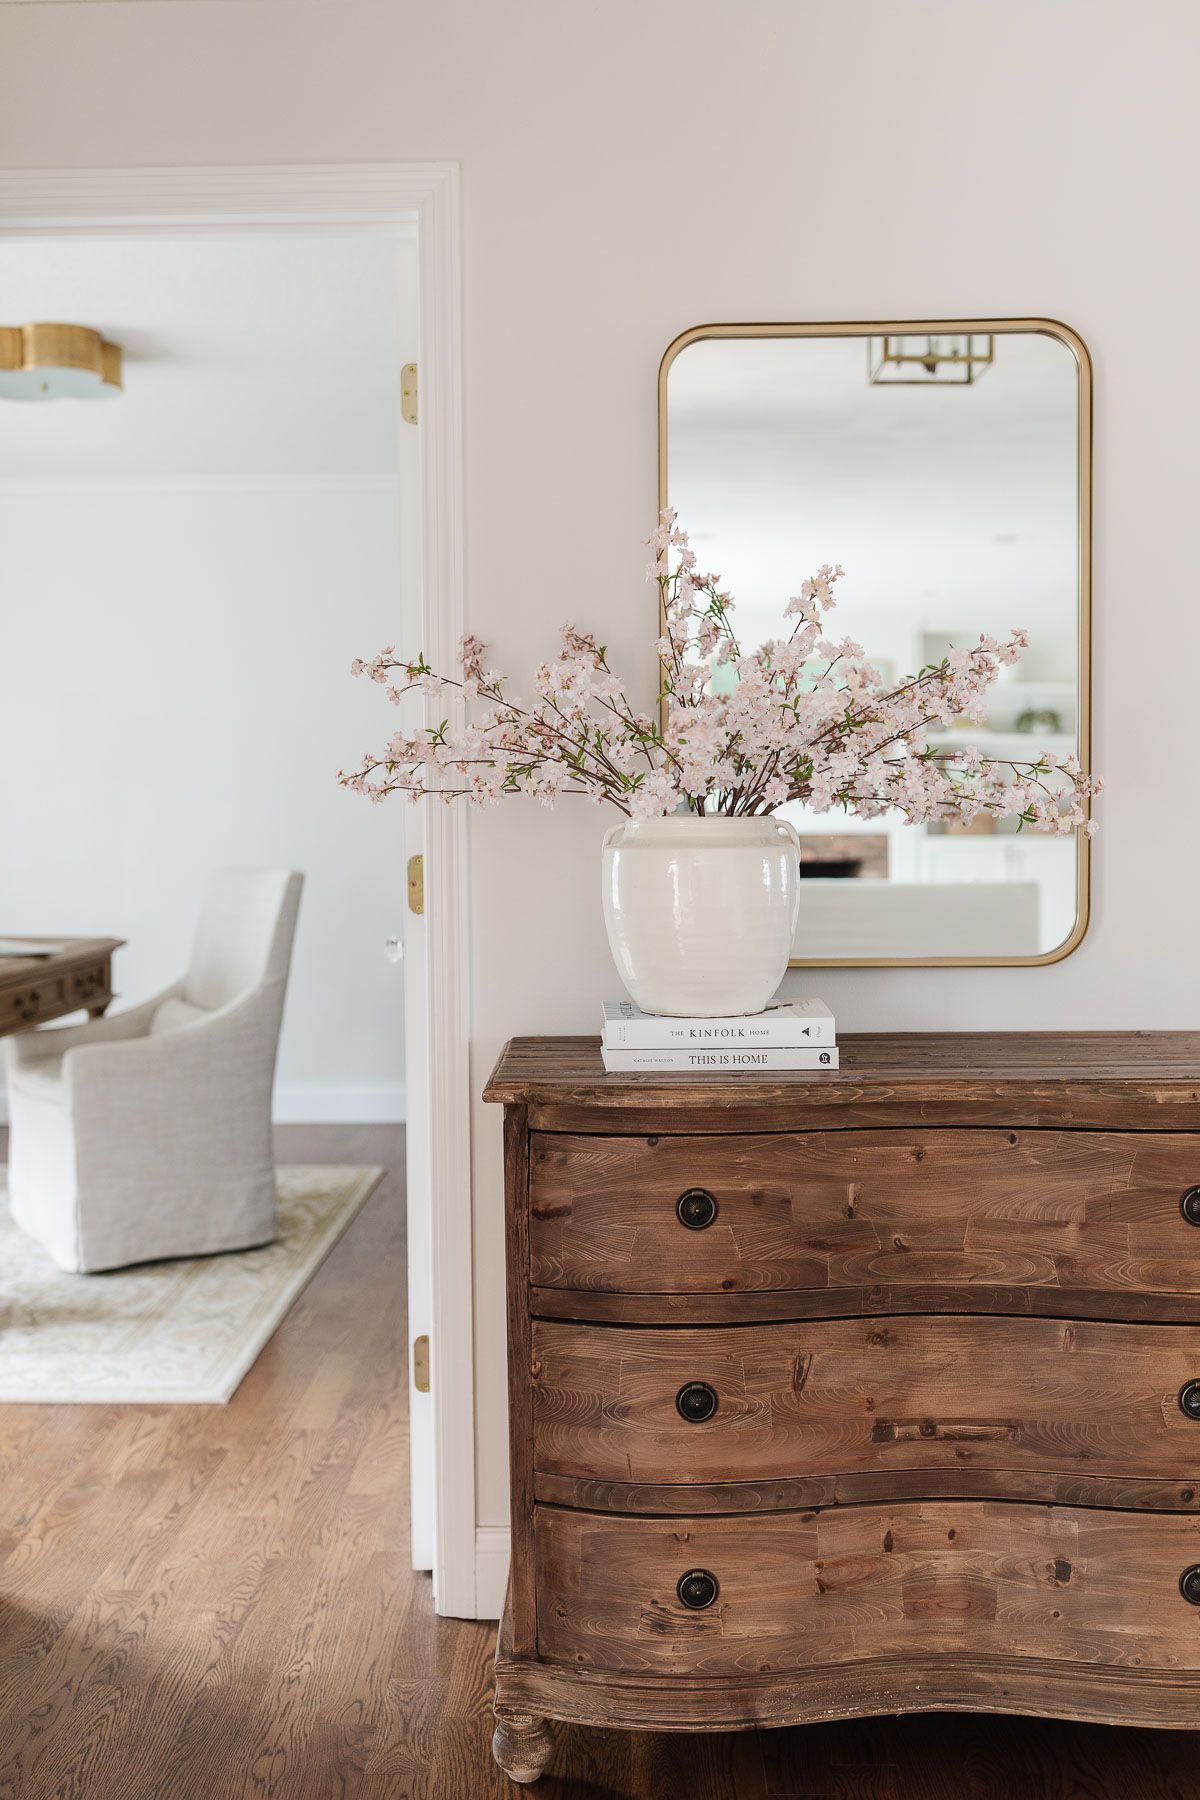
<point x="634" y="168"/>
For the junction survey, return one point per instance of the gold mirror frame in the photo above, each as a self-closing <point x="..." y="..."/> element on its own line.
<point x="942" y="327"/>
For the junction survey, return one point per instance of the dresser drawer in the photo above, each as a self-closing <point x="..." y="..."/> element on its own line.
<point x="865" y="1212"/>
<point x="883" y="1397"/>
<point x="801" y="1591"/>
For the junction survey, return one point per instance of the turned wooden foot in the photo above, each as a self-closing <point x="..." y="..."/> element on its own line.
<point x="522" y="1745"/>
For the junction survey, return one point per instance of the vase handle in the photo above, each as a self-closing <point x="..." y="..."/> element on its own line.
<point x="788" y="830"/>
<point x="606" y="843"/>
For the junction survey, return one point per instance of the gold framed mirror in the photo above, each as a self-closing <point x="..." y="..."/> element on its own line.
<point x="947" y="464"/>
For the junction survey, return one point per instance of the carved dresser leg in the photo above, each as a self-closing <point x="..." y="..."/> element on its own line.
<point x="522" y="1745"/>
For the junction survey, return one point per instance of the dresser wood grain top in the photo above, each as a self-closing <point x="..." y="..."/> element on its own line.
<point x="1120" y="1080"/>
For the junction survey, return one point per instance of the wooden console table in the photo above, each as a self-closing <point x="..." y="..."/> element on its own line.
<point x="873" y="1391"/>
<point x="36" y="989"/>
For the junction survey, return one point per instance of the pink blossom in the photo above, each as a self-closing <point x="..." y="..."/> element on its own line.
<point x="803" y="718"/>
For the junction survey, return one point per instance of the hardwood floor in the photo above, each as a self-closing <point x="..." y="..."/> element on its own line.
<point x="215" y="1603"/>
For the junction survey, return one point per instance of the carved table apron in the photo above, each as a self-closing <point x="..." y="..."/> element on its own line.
<point x="75" y="977"/>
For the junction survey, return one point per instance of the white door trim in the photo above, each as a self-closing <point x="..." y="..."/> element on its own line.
<point x="493" y="1544"/>
<point x="361" y="196"/>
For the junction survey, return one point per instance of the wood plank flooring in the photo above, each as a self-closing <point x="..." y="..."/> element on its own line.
<point x="215" y="1603"/>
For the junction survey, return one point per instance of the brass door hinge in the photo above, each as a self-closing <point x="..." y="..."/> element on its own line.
<point x="420" y="1364"/>
<point x="416" y="884"/>
<point x="408" y="393"/>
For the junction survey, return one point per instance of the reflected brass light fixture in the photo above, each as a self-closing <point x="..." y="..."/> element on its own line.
<point x="57" y="362"/>
<point x="953" y="360"/>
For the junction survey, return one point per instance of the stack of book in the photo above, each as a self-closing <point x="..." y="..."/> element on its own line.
<point x="792" y="1034"/>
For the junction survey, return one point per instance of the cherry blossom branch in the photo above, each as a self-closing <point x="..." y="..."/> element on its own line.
<point x="801" y="718"/>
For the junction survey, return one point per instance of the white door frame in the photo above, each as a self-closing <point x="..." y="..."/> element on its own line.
<point x="62" y="202"/>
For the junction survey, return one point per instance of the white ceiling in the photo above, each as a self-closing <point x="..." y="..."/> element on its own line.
<point x="951" y="508"/>
<point x="267" y="355"/>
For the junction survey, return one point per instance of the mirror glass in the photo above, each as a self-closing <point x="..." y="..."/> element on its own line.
<point x="946" y="470"/>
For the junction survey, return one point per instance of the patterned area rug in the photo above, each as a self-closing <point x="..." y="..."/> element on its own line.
<point x="172" y="1331"/>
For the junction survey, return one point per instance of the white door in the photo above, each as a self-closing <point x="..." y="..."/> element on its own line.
<point x="420" y="1245"/>
<point x="416" y="1008"/>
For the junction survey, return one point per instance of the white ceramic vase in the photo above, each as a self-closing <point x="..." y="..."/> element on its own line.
<point x="701" y="912"/>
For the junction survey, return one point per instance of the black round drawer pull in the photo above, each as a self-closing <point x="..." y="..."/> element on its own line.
<point x="1189" y="1585"/>
<point x="1189" y="1399"/>
<point x="696" y="1208"/>
<point x="696" y="1402"/>
<point x="698" y="1589"/>
<point x="1189" y="1206"/>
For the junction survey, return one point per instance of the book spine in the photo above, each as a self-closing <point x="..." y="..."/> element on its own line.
<point x="625" y="1061"/>
<point x="668" y="1034"/>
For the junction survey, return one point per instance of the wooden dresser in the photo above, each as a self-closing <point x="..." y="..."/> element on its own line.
<point x="867" y="1392"/>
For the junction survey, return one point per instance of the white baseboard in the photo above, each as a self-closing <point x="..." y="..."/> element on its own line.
<point x="491" y="1570"/>
<point x="339" y="1103"/>
<point x="322" y="1103"/>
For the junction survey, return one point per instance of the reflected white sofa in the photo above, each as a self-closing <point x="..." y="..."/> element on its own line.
<point x="148" y="1134"/>
<point x="934" y="918"/>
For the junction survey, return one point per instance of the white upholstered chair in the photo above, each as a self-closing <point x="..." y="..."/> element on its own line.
<point x="148" y="1134"/>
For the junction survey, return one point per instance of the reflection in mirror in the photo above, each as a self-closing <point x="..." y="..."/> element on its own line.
<point x="945" y="472"/>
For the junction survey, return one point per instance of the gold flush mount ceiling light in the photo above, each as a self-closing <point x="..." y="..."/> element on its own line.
<point x="57" y="362"/>
<point x="953" y="360"/>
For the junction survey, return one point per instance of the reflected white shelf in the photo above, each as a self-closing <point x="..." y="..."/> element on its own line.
<point x="1017" y="684"/>
<point x="1010" y="746"/>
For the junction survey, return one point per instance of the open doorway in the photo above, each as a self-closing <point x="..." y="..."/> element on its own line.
<point x="189" y="568"/>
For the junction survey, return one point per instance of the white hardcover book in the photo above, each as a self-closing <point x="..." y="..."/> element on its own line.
<point x="788" y="1024"/>
<point x="625" y="1062"/>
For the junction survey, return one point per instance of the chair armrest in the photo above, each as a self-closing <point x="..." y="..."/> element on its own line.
<point x="27" y="1047"/>
<point x="202" y="1091"/>
<point x="229" y="1053"/>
